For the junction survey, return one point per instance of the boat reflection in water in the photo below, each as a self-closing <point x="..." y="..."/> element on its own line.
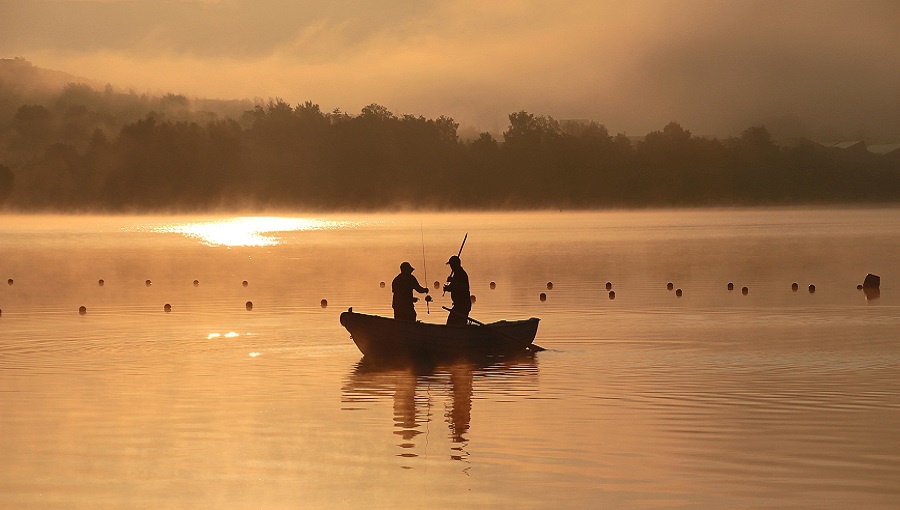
<point x="419" y="390"/>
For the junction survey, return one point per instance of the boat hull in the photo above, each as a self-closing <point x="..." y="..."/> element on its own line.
<point x="383" y="337"/>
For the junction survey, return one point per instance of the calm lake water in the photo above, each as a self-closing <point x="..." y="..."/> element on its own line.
<point x="715" y="399"/>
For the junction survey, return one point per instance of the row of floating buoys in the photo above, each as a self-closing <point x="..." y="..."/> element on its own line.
<point x="101" y="282"/>
<point x="82" y="310"/>
<point x="872" y="283"/>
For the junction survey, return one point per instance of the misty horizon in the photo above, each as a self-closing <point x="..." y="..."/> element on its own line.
<point x="92" y="150"/>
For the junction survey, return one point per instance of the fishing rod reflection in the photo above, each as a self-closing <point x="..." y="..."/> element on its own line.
<point x="422" y="394"/>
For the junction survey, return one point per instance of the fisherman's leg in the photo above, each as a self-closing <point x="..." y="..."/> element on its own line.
<point x="457" y="317"/>
<point x="405" y="314"/>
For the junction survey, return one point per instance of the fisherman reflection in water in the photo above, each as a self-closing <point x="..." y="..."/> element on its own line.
<point x="458" y="286"/>
<point x="402" y="286"/>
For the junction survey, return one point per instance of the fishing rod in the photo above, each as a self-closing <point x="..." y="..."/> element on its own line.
<point x="425" y="269"/>
<point x="457" y="256"/>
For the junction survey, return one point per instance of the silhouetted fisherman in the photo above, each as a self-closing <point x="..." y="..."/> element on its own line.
<point x="402" y="287"/>
<point x="458" y="286"/>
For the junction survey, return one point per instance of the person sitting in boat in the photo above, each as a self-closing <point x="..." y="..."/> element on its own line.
<point x="458" y="286"/>
<point x="402" y="286"/>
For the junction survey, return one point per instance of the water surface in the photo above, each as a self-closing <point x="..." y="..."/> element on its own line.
<point x="773" y="399"/>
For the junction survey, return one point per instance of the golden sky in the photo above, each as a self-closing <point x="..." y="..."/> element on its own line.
<point x="714" y="66"/>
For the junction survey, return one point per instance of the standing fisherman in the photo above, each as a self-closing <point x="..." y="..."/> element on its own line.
<point x="402" y="286"/>
<point x="458" y="286"/>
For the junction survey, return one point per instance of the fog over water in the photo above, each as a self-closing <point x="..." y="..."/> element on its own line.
<point x="715" y="67"/>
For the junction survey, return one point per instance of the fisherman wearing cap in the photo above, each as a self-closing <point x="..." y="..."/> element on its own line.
<point x="458" y="286"/>
<point x="402" y="286"/>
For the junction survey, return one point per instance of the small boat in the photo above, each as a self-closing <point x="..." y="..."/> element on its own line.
<point x="383" y="337"/>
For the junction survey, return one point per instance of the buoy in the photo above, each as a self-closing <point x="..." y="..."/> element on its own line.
<point x="730" y="286"/>
<point x="428" y="298"/>
<point x="612" y="294"/>
<point x="381" y="285"/>
<point x="493" y="285"/>
<point x="245" y="283"/>
<point x="148" y="283"/>
<point x="82" y="310"/>
<point x="608" y="285"/>
<point x="249" y="305"/>
<point x="472" y="298"/>
<point x="543" y="296"/>
<point x="745" y="290"/>
<point x="794" y="286"/>
<point x="437" y="284"/>
<point x="549" y="285"/>
<point x="100" y="282"/>
<point x="859" y="287"/>
<point x="10" y="281"/>
<point x="324" y="303"/>
<point x="167" y="308"/>
<point x="812" y="288"/>
<point x="670" y="285"/>
<point x="196" y="283"/>
<point x="678" y="292"/>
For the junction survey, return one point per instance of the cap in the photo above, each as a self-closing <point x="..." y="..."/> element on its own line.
<point x="407" y="265"/>
<point x="454" y="260"/>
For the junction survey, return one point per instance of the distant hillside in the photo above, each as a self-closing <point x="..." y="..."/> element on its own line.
<point x="21" y="75"/>
<point x="21" y="82"/>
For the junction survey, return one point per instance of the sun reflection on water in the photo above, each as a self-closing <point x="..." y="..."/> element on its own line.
<point x="230" y="334"/>
<point x="247" y="230"/>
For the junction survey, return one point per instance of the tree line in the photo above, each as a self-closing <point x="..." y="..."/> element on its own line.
<point x="77" y="153"/>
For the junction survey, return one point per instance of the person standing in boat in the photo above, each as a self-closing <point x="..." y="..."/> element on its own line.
<point x="403" y="286"/>
<point x="458" y="287"/>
